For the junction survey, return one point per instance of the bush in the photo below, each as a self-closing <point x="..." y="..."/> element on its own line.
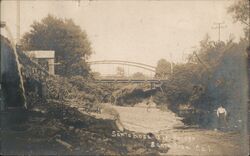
<point x="217" y="76"/>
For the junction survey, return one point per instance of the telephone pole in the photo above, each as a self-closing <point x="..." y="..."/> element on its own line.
<point x="219" y="26"/>
<point x="18" y="22"/>
<point x="171" y="63"/>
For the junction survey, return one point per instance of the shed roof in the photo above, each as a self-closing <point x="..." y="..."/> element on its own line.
<point x="41" y="54"/>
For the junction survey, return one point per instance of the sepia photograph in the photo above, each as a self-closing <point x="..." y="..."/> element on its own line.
<point x="132" y="77"/>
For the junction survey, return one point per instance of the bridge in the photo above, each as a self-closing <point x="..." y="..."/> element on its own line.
<point x="127" y="63"/>
<point x="156" y="81"/>
<point x="107" y="80"/>
<point x="153" y="81"/>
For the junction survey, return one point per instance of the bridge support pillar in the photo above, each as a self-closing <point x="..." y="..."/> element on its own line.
<point x="51" y="64"/>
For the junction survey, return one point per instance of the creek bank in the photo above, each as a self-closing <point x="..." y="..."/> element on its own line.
<point x="61" y="129"/>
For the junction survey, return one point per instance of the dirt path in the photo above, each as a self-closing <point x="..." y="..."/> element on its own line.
<point x="172" y="133"/>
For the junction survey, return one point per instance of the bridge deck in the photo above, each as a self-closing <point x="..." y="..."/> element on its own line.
<point x="128" y="81"/>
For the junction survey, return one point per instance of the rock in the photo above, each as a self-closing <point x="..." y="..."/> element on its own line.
<point x="81" y="109"/>
<point x="71" y="128"/>
<point x="99" y="140"/>
<point x="58" y="136"/>
<point x="64" y="143"/>
<point x="140" y="151"/>
<point x="82" y="143"/>
<point x="106" y="139"/>
<point x="82" y="131"/>
<point x="102" y="149"/>
<point x="77" y="148"/>
<point x="77" y="130"/>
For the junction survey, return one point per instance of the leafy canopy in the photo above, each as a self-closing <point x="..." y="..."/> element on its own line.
<point x="138" y="75"/>
<point x="240" y="11"/>
<point x="163" y="69"/>
<point x="70" y="43"/>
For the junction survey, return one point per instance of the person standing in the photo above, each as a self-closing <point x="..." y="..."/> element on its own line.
<point x="222" y="117"/>
<point x="149" y="103"/>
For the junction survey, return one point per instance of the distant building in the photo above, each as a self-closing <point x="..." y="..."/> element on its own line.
<point x="46" y="58"/>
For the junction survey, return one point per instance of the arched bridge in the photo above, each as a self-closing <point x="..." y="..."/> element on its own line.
<point x="128" y="63"/>
<point x="144" y="66"/>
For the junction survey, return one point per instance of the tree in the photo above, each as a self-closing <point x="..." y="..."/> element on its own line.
<point x="216" y="78"/>
<point x="70" y="43"/>
<point x="120" y="71"/>
<point x="163" y="69"/>
<point x="138" y="75"/>
<point x="240" y="11"/>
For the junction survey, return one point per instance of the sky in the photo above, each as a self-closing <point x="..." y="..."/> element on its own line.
<point x="142" y="31"/>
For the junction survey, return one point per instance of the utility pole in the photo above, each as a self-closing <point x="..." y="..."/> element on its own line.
<point x="219" y="26"/>
<point x="18" y="22"/>
<point x="171" y="63"/>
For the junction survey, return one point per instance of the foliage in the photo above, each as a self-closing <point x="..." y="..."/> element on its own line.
<point x="131" y="94"/>
<point x="120" y="72"/>
<point x="72" y="91"/>
<point x="163" y="69"/>
<point x="69" y="42"/>
<point x="217" y="77"/>
<point x="96" y="75"/>
<point x="138" y="75"/>
<point x="240" y="12"/>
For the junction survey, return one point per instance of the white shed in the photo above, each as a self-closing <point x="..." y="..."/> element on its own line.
<point x="49" y="55"/>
